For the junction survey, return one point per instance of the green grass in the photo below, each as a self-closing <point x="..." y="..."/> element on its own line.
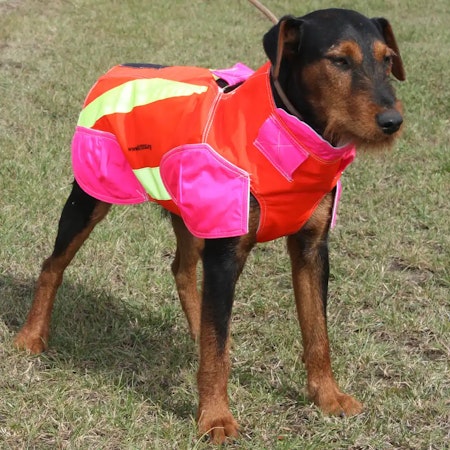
<point x="120" y="372"/>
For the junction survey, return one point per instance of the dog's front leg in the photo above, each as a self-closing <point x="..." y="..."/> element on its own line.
<point x="308" y="250"/>
<point x="222" y="264"/>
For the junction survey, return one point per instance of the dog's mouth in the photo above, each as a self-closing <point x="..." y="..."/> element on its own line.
<point x="377" y="132"/>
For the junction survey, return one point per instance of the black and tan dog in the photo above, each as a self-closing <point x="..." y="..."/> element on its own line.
<point x="332" y="68"/>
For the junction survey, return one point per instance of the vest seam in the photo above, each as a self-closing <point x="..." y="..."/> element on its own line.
<point x="211" y="114"/>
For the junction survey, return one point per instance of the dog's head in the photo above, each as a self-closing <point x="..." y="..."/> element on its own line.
<point x="335" y="67"/>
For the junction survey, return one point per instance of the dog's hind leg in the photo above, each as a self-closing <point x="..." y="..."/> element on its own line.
<point x="308" y="250"/>
<point x="80" y="215"/>
<point x="184" y="269"/>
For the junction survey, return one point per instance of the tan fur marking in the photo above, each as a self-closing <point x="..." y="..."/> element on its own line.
<point x="184" y="269"/>
<point x="348" y="49"/>
<point x="214" y="416"/>
<point x="381" y="50"/>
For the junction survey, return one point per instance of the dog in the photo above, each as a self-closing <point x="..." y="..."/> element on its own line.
<point x="328" y="90"/>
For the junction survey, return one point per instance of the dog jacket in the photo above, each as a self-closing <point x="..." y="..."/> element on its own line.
<point x="171" y="135"/>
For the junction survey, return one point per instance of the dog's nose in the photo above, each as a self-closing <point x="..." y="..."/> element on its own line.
<point x="389" y="121"/>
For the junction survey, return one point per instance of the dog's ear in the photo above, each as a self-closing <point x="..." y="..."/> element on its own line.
<point x="283" y="40"/>
<point x="385" y="27"/>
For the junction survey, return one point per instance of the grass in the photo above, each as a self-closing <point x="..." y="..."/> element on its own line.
<point x="120" y="372"/>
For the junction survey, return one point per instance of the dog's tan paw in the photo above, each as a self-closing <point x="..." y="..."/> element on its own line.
<point x="342" y="405"/>
<point x="32" y="343"/>
<point x="332" y="401"/>
<point x="219" y="425"/>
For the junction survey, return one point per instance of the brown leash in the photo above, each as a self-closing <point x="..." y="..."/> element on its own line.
<point x="266" y="11"/>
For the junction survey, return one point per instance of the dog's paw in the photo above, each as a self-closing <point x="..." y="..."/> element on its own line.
<point x="30" y="342"/>
<point x="332" y="401"/>
<point x="218" y="424"/>
<point x="341" y="405"/>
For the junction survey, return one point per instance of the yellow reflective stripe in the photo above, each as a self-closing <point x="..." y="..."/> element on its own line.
<point x="124" y="98"/>
<point x="150" y="178"/>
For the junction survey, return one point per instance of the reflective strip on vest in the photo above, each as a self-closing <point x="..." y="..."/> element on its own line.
<point x="124" y="98"/>
<point x="150" y="179"/>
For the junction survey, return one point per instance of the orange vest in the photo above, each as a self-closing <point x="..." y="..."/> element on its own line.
<point x="199" y="151"/>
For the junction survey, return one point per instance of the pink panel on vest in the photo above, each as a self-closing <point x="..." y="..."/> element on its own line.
<point x="101" y="169"/>
<point x="211" y="193"/>
<point x="347" y="159"/>
<point x="234" y="75"/>
<point x="280" y="148"/>
<point x="312" y="141"/>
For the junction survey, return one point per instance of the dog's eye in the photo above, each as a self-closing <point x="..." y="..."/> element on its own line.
<point x="387" y="60"/>
<point x="341" y="61"/>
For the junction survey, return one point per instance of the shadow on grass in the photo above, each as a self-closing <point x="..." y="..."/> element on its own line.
<point x="145" y="349"/>
<point x="148" y="351"/>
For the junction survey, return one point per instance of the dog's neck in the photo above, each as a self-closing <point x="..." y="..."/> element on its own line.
<point x="298" y="99"/>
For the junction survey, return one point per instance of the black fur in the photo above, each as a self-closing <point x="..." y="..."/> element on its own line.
<point x="74" y="218"/>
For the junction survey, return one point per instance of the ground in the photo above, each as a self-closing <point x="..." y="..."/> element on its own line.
<point x="120" y="372"/>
